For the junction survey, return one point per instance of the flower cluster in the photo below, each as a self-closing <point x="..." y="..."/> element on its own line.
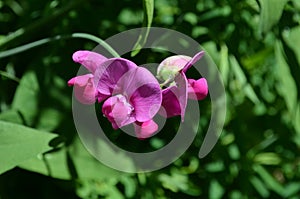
<point x="131" y="94"/>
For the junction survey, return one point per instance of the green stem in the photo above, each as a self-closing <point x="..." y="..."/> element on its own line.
<point x="97" y="40"/>
<point x="9" y="76"/>
<point x="59" y="37"/>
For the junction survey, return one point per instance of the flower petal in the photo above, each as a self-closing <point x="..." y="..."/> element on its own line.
<point x="197" y="89"/>
<point x="170" y="103"/>
<point x="191" y="62"/>
<point x="84" y="88"/>
<point x="146" y="129"/>
<point x="143" y="91"/>
<point x="90" y="60"/>
<point x="118" y="111"/>
<point x="175" y="97"/>
<point x="110" y="72"/>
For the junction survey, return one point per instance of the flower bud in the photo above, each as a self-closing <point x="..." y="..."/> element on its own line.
<point x="171" y="66"/>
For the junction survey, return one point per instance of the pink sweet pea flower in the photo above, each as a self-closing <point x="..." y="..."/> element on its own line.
<point x="172" y="71"/>
<point x="131" y="94"/>
<point x="85" y="85"/>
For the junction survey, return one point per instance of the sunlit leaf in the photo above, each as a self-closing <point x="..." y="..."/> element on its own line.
<point x="174" y="182"/>
<point x="215" y="190"/>
<point x="234" y="152"/>
<point x="270" y="13"/>
<point x="286" y="86"/>
<point x="269" y="180"/>
<point x="267" y="158"/>
<point x="148" y="17"/>
<point x="291" y="189"/>
<point x="242" y="80"/>
<point x="224" y="63"/>
<point x="55" y="164"/>
<point x="11" y="116"/>
<point x="26" y="97"/>
<point x="130" y="186"/>
<point x="52" y="164"/>
<point x="89" y="167"/>
<point x="215" y="166"/>
<point x="19" y="143"/>
<point x="191" y="18"/>
<point x="291" y="37"/>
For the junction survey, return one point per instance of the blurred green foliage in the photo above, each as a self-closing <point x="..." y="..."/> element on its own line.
<point x="255" y="44"/>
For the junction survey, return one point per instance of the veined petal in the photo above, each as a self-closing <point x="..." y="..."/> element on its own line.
<point x="175" y="97"/>
<point x="84" y="88"/>
<point x="143" y="92"/>
<point x="90" y="60"/>
<point x="197" y="89"/>
<point x="110" y="72"/>
<point x="191" y="62"/>
<point x="146" y="129"/>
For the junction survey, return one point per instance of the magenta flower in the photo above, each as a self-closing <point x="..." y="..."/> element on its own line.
<point x="172" y="71"/>
<point x="85" y="85"/>
<point x="131" y="94"/>
<point x="134" y="93"/>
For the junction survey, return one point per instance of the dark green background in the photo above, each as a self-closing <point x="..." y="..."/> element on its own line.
<point x="255" y="44"/>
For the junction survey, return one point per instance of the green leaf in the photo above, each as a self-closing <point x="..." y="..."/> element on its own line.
<point x="52" y="164"/>
<point x="89" y="167"/>
<point x="191" y="18"/>
<point x="260" y="187"/>
<point x="26" y="97"/>
<point x="11" y="116"/>
<point x="234" y="152"/>
<point x="224" y="63"/>
<point x="242" y="80"/>
<point x="19" y="143"/>
<point x="267" y="158"/>
<point x="297" y="118"/>
<point x="286" y="84"/>
<point x="292" y="39"/>
<point x="148" y="17"/>
<point x="215" y="190"/>
<point x="174" y="182"/>
<point x="270" y="13"/>
<point x="30" y="97"/>
<point x="269" y="180"/>
<point x="55" y="164"/>
<point x="49" y="119"/>
<point x="291" y="189"/>
<point x="217" y="166"/>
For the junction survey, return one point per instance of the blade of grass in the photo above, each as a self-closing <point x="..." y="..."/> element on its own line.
<point x="148" y="17"/>
<point x="59" y="37"/>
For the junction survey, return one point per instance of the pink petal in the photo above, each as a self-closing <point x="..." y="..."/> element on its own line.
<point x="146" y="129"/>
<point x="110" y="72"/>
<point x="144" y="92"/>
<point x="84" y="88"/>
<point x="197" y="89"/>
<point x="196" y="57"/>
<point x="175" y="97"/>
<point x="101" y="97"/>
<point x="118" y="111"/>
<point x="170" y="103"/>
<point x="90" y="60"/>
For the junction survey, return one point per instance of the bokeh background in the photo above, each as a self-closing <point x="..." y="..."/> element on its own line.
<point x="255" y="44"/>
